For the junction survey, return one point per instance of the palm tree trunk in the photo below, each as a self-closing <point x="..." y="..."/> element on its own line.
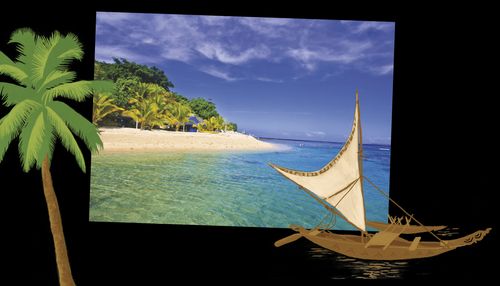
<point x="62" y="260"/>
<point x="137" y="125"/>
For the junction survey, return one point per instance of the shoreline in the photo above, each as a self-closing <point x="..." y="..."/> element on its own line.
<point x="122" y="140"/>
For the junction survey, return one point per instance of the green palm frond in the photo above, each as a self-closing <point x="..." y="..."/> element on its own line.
<point x="67" y="138"/>
<point x="179" y="113"/>
<point x="12" y="94"/>
<point x="78" y="124"/>
<point x="72" y="49"/>
<point x="134" y="114"/>
<point x="55" y="53"/>
<point x="26" y="40"/>
<point x="31" y="138"/>
<point x="36" y="140"/>
<point x="77" y="91"/>
<point x="14" y="72"/>
<point x="56" y="78"/>
<point x="10" y="124"/>
<point x="5" y="60"/>
<point x="102" y="107"/>
<point x="13" y="121"/>
<point x="47" y="146"/>
<point x="106" y="110"/>
<point x="12" y="69"/>
<point x="40" y="57"/>
<point x="133" y="100"/>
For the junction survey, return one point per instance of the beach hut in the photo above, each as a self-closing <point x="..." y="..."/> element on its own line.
<point x="193" y="122"/>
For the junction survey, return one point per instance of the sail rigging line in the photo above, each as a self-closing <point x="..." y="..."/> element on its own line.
<point x="318" y="199"/>
<point x="401" y="208"/>
<point x="333" y="221"/>
<point x="322" y="223"/>
<point x="350" y="186"/>
<point x="327" y="222"/>
<point x="333" y="210"/>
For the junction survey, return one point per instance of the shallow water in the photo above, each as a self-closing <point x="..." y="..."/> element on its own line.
<point x="226" y="189"/>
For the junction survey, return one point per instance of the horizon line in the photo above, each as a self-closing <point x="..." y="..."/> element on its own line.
<point x="318" y="141"/>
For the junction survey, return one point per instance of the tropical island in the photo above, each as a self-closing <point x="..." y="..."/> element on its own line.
<point x="142" y="113"/>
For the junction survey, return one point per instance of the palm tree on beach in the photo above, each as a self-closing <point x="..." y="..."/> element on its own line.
<point x="145" y="113"/>
<point x="147" y="103"/>
<point x="163" y="99"/>
<point x="229" y="126"/>
<point x="178" y="115"/>
<point x="39" y="77"/>
<point x="213" y="124"/>
<point x="102" y="107"/>
<point x="136" y="112"/>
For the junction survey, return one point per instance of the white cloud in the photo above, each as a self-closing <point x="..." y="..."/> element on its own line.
<point x="378" y="140"/>
<point x="180" y="37"/>
<point x="380" y="26"/>
<point x="215" y="20"/>
<point x="218" y="73"/>
<point x="298" y="113"/>
<point x="266" y="79"/>
<point x="315" y="134"/>
<point x="106" y="53"/>
<point x="363" y="26"/>
<point x="178" y="54"/>
<point x="216" y="51"/>
<point x="269" y="27"/>
<point x="383" y="70"/>
<point x="274" y="21"/>
<point x="113" y="18"/>
<point x="345" y="52"/>
<point x="177" y="36"/>
<point x="148" y="40"/>
<point x="220" y="42"/>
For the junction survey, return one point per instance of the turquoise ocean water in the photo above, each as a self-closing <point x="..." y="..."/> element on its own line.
<point x="223" y="189"/>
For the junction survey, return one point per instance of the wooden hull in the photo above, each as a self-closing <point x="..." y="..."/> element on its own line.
<point x="399" y="249"/>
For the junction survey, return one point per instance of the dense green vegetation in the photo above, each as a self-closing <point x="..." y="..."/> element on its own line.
<point x="203" y="108"/>
<point x="143" y="98"/>
<point x="123" y="69"/>
<point x="103" y="106"/>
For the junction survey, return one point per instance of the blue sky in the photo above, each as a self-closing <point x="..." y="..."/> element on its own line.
<point x="284" y="78"/>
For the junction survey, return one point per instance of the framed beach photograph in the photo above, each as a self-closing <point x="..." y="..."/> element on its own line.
<point x="181" y="141"/>
<point x="203" y="104"/>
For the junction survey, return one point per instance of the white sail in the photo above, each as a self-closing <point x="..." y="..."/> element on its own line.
<point x="338" y="183"/>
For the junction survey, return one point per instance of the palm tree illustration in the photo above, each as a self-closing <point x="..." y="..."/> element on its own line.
<point x="40" y="76"/>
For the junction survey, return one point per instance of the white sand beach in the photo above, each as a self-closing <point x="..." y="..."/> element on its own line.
<point x="136" y="140"/>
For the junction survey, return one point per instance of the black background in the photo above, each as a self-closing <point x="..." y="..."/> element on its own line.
<point x="443" y="159"/>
